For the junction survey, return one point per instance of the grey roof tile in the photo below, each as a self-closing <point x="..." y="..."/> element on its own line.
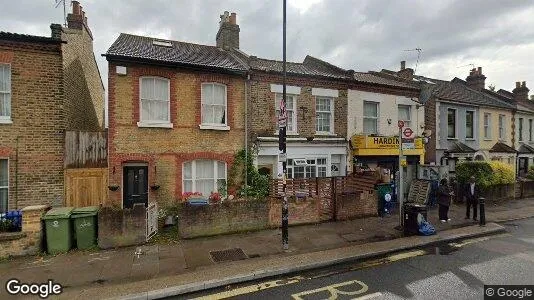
<point x="141" y="47"/>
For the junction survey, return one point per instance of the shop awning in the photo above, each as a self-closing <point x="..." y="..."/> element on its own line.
<point x="363" y="145"/>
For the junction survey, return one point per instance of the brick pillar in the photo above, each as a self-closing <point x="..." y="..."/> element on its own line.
<point x="31" y="226"/>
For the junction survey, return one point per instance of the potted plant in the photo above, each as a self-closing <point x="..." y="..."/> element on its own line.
<point x="215" y="197"/>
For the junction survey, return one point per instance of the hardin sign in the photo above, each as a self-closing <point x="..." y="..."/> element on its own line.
<point x="383" y="142"/>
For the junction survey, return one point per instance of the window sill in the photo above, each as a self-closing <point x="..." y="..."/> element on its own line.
<point x="452" y="139"/>
<point x="155" y="125"/>
<point x="214" y="127"/>
<point x="288" y="133"/>
<point x="488" y="139"/>
<point x="470" y="139"/>
<point x="324" y="133"/>
<point x="6" y="121"/>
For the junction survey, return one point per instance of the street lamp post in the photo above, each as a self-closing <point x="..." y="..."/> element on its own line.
<point x="282" y="123"/>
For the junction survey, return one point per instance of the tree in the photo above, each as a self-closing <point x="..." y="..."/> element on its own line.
<point x="491" y="87"/>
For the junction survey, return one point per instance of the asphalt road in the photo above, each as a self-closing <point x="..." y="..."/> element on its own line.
<point x="450" y="271"/>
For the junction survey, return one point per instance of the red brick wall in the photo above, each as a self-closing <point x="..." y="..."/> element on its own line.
<point x="163" y="149"/>
<point x="38" y="124"/>
<point x="305" y="211"/>
<point x="356" y="205"/>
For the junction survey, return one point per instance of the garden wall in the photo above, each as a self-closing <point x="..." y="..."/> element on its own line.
<point x="527" y="188"/>
<point x="226" y="217"/>
<point x="356" y="205"/>
<point x="121" y="227"/>
<point x="30" y="239"/>
<point x="501" y="192"/>
<point x="305" y="211"/>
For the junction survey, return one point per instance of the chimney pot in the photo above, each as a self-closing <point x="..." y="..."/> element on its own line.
<point x="524" y="84"/>
<point x="76" y="8"/>
<point x="518" y="84"/>
<point x="479" y="70"/>
<point x="233" y="18"/>
<point x="403" y="65"/>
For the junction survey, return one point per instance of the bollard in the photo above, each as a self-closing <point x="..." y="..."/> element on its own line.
<point x="482" y="203"/>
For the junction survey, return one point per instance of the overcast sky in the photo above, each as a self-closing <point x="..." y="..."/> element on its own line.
<point x="354" y="34"/>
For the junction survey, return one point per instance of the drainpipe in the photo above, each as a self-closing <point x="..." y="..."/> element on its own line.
<point x="246" y="135"/>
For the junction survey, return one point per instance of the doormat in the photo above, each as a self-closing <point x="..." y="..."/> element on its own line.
<point x="228" y="255"/>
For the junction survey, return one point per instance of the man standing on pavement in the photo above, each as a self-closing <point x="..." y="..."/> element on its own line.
<point x="472" y="193"/>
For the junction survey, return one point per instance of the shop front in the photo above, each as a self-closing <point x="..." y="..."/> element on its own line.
<point x="382" y="153"/>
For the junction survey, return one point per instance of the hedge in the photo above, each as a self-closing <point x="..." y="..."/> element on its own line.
<point x="486" y="173"/>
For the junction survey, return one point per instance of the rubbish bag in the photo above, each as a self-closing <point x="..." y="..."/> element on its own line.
<point x="426" y="228"/>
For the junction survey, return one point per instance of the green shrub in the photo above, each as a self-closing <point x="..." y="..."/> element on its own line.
<point x="246" y="178"/>
<point x="530" y="174"/>
<point x="486" y="173"/>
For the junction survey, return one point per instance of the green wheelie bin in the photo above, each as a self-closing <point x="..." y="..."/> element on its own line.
<point x="58" y="229"/>
<point x="85" y="231"/>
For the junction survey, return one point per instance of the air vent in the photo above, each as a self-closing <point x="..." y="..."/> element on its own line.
<point x="162" y="43"/>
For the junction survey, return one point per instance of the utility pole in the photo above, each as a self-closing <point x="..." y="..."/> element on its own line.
<point x="401" y="185"/>
<point x="282" y="123"/>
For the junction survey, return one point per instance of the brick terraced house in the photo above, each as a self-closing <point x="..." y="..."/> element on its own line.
<point x="176" y="116"/>
<point x="47" y="85"/>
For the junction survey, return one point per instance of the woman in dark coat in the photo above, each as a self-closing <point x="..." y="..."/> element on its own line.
<point x="444" y="200"/>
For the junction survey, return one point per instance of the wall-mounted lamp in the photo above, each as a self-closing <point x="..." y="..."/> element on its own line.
<point x="389" y="121"/>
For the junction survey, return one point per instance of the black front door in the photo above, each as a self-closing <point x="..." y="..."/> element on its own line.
<point x="523" y="166"/>
<point x="135" y="186"/>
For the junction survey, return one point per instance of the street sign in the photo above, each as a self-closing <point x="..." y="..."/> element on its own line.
<point x="400" y="123"/>
<point x="282" y="157"/>
<point x="407" y="133"/>
<point x="408" y="144"/>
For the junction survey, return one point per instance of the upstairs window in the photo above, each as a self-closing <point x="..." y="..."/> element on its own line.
<point x="324" y="114"/>
<point x="501" y="127"/>
<point x="155" y="103"/>
<point x="451" y="123"/>
<point x="370" y="117"/>
<point x="214" y="110"/>
<point x="469" y="124"/>
<point x="5" y="92"/>
<point x="487" y="126"/>
<point x="291" y="109"/>
<point x="530" y="130"/>
<point x="405" y="114"/>
<point x="520" y="129"/>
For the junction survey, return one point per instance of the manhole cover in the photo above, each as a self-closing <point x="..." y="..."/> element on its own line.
<point x="228" y="255"/>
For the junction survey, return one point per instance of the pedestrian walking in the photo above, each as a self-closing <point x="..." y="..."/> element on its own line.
<point x="472" y="194"/>
<point x="444" y="200"/>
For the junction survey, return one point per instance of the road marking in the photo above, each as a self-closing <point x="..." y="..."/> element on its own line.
<point x="477" y="240"/>
<point x="98" y="258"/>
<point x="405" y="255"/>
<point x="252" y="288"/>
<point x="369" y="296"/>
<point x="333" y="290"/>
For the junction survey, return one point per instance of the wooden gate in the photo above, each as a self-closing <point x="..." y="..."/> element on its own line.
<point x="86" y="187"/>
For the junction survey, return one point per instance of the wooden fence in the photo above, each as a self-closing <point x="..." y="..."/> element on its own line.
<point x="86" y="172"/>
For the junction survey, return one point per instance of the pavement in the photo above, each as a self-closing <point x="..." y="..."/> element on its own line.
<point x="186" y="266"/>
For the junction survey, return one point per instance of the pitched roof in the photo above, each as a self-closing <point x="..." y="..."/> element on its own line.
<point x="372" y="78"/>
<point x="310" y="67"/>
<point x="458" y="147"/>
<point x="526" y="149"/>
<point x="128" y="46"/>
<point x="502" y="148"/>
<point x="27" y="38"/>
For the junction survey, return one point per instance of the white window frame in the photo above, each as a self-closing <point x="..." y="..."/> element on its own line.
<point x="455" y="123"/>
<point x="520" y="129"/>
<point x="294" y="130"/>
<point x="487" y="126"/>
<point x="6" y="187"/>
<point x="214" y="126"/>
<point x="502" y="125"/>
<point x="408" y="122"/>
<point x="291" y="165"/>
<point x="473" y="125"/>
<point x="7" y="119"/>
<point x="331" y="112"/>
<point x="194" y="178"/>
<point x="371" y="117"/>
<point x="154" y="123"/>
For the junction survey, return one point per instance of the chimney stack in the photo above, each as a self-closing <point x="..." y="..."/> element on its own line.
<point x="228" y="34"/>
<point x="77" y="19"/>
<point x="56" y="31"/>
<point x="405" y="73"/>
<point x="521" y="91"/>
<point x="476" y="80"/>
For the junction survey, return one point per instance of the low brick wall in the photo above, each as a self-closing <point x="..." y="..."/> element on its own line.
<point x="356" y="205"/>
<point x="306" y="211"/>
<point x="226" y="217"/>
<point x="30" y="239"/>
<point x="498" y="193"/>
<point x="121" y="227"/>
<point x="527" y="188"/>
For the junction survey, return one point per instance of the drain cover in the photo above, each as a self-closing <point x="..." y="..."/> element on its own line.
<point x="228" y="255"/>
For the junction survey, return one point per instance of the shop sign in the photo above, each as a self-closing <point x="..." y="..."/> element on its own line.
<point x="383" y="142"/>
